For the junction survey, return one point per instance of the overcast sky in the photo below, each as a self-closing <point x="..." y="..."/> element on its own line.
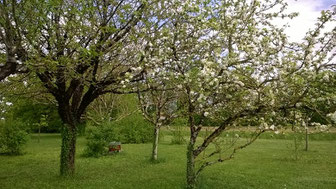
<point x="309" y="11"/>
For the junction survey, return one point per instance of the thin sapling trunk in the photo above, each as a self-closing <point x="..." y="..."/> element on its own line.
<point x="155" y="143"/>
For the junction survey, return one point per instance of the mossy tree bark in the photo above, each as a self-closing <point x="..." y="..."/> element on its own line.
<point x="191" y="156"/>
<point x="69" y="136"/>
<point x="70" y="111"/>
<point x="191" y="172"/>
<point x="68" y="149"/>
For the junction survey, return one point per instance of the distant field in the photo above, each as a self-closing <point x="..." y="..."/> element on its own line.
<point x="268" y="163"/>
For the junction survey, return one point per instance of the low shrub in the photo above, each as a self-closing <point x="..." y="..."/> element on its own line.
<point x="12" y="138"/>
<point x="132" y="129"/>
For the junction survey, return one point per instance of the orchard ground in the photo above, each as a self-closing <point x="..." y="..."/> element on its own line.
<point x="268" y="163"/>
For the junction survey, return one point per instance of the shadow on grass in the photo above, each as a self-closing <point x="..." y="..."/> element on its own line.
<point x="158" y="161"/>
<point x="12" y="154"/>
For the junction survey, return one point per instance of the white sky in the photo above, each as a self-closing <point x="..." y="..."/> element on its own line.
<point x="309" y="11"/>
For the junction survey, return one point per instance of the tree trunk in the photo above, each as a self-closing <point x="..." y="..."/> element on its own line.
<point x="306" y="147"/>
<point x="68" y="149"/>
<point x="155" y="143"/>
<point x="39" y="134"/>
<point x="191" y="174"/>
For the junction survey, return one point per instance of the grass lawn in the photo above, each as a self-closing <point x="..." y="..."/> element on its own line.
<point x="268" y="163"/>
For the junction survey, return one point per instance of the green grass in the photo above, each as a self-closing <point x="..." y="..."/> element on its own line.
<point x="268" y="163"/>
